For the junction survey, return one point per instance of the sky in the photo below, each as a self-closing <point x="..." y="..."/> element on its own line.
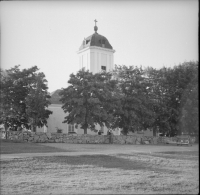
<point x="48" y="34"/>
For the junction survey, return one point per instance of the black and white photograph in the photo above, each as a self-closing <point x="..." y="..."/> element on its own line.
<point x="99" y="97"/>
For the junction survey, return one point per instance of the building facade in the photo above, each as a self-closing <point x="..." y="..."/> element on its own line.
<point x="96" y="55"/>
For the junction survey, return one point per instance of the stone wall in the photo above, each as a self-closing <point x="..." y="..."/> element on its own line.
<point x="81" y="139"/>
<point x="84" y="139"/>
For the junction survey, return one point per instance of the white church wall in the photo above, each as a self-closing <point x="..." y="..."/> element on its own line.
<point x="92" y="62"/>
<point x="92" y="58"/>
<point x="41" y="129"/>
<point x="98" y="61"/>
<point x="84" y="60"/>
<point x="103" y="59"/>
<point x="109" y="63"/>
<point x="55" y="120"/>
<point x="97" y="127"/>
<point x="100" y="57"/>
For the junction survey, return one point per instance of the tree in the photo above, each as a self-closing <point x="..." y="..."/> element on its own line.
<point x="135" y="111"/>
<point x="89" y="100"/>
<point x="181" y="81"/>
<point x="160" y="97"/>
<point x="172" y="88"/>
<point x="189" y="104"/>
<point x="37" y="102"/>
<point x="19" y="88"/>
<point x="189" y="120"/>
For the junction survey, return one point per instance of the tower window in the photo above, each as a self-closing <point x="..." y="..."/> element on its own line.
<point x="102" y="42"/>
<point x="87" y="41"/>
<point x="103" y="68"/>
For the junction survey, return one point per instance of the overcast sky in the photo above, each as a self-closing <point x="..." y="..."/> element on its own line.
<point x="49" y="33"/>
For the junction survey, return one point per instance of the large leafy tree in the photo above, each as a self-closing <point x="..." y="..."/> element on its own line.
<point x="89" y="99"/>
<point x="160" y="97"/>
<point x="174" y="89"/>
<point x="189" y="120"/>
<point x="135" y="110"/>
<point x="37" y="102"/>
<point x="24" y="95"/>
<point x="181" y="83"/>
<point x="188" y="106"/>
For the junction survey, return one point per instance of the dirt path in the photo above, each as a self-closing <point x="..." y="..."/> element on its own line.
<point x="90" y="149"/>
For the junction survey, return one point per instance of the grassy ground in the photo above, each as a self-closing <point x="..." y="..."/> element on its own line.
<point x="11" y="147"/>
<point x="167" y="172"/>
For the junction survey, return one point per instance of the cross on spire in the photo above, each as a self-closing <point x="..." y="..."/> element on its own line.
<point x="95" y="21"/>
<point x="95" y="27"/>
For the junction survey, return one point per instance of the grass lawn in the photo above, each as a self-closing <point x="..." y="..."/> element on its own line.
<point x="135" y="173"/>
<point x="11" y="147"/>
<point x="181" y="155"/>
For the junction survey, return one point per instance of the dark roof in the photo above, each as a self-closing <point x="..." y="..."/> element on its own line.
<point x="55" y="97"/>
<point x="96" y="40"/>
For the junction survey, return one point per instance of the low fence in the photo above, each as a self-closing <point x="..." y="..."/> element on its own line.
<point x="82" y="139"/>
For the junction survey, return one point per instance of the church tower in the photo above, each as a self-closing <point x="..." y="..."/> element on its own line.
<point x="96" y="53"/>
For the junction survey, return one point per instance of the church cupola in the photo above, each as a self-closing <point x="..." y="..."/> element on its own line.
<point x="96" y="53"/>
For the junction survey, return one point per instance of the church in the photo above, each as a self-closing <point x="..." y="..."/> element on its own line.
<point x="95" y="54"/>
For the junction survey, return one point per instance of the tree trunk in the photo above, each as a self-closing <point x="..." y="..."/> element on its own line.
<point x="6" y="130"/>
<point x="154" y="131"/>
<point x="34" y="128"/>
<point x="85" y="130"/>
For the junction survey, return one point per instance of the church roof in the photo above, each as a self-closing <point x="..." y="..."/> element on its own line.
<point x="55" y="97"/>
<point x="96" y="40"/>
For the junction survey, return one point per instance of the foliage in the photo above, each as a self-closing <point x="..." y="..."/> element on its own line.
<point x="160" y="96"/>
<point x="24" y="98"/>
<point x="135" y="111"/>
<point x="89" y="99"/>
<point x="37" y="102"/>
<point x="135" y="99"/>
<point x="172" y="89"/>
<point x="189" y="107"/>
<point x="183" y="83"/>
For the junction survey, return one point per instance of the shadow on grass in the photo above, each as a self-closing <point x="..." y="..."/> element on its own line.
<point x="105" y="161"/>
<point x="12" y="147"/>
<point x="95" y="160"/>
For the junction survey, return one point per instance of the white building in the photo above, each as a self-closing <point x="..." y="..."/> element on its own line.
<point x="95" y="54"/>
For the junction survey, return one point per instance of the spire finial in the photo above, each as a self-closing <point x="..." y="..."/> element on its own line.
<point x="95" y="21"/>
<point x="95" y="27"/>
